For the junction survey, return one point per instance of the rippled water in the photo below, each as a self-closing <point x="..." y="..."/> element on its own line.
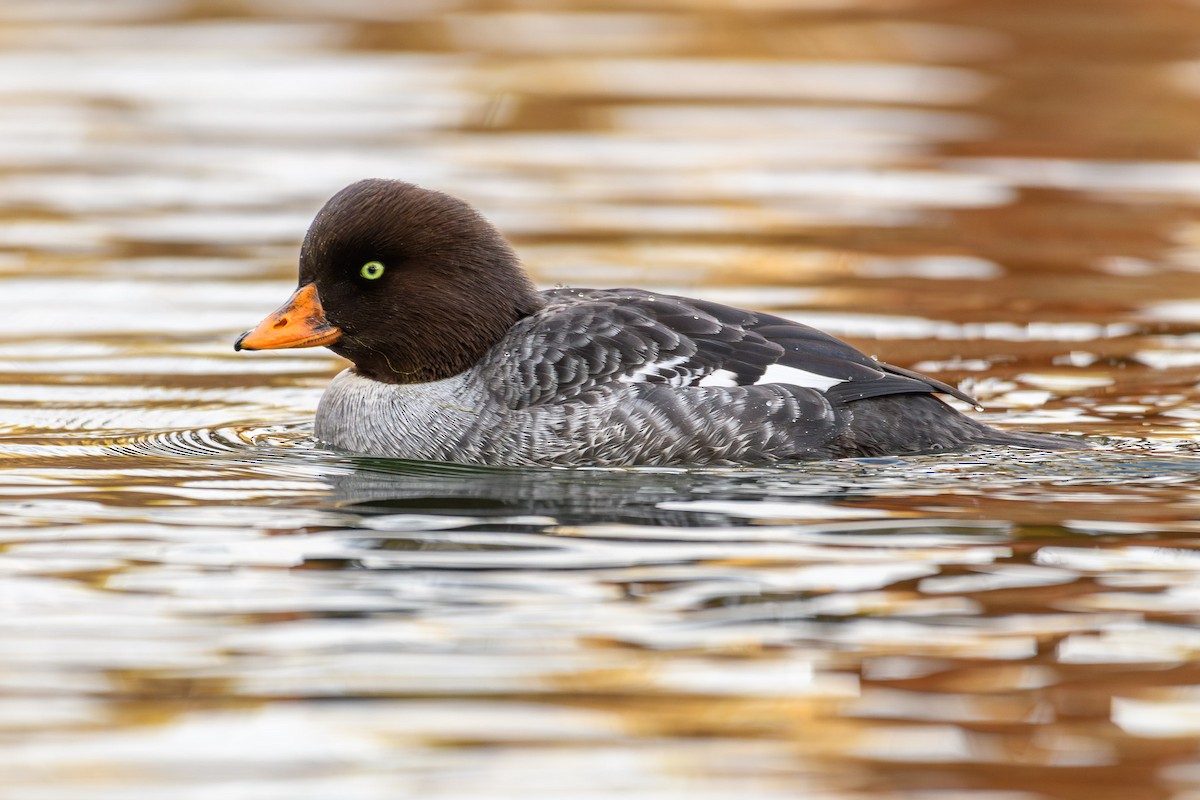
<point x="198" y="602"/>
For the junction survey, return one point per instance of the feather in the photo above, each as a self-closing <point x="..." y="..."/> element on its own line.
<point x="584" y="340"/>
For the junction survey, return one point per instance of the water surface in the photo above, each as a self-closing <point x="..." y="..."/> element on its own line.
<point x="197" y="601"/>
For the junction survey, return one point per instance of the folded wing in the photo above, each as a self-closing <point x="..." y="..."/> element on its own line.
<point x="586" y="339"/>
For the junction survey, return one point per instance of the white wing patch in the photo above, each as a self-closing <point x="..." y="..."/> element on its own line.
<point x="719" y="377"/>
<point x="777" y="373"/>
<point x="656" y="369"/>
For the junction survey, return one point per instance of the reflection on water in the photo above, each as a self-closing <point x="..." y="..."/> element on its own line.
<point x="821" y="625"/>
<point x="196" y="601"/>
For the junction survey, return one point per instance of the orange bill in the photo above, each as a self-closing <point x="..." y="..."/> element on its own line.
<point x="300" y="322"/>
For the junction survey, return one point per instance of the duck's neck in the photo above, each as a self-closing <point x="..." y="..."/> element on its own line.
<point x="436" y="346"/>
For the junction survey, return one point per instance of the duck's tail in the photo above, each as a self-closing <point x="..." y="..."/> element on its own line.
<point x="922" y="423"/>
<point x="1032" y="441"/>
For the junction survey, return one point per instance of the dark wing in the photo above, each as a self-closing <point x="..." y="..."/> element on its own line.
<point x="585" y="338"/>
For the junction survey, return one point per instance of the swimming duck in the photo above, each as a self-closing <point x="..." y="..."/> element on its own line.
<point x="457" y="357"/>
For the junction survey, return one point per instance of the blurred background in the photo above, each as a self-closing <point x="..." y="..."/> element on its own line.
<point x="197" y="602"/>
<point x="933" y="173"/>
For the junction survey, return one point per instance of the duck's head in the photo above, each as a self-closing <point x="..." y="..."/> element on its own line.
<point x="409" y="284"/>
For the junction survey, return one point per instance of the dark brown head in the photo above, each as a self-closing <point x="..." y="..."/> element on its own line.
<point x="409" y="284"/>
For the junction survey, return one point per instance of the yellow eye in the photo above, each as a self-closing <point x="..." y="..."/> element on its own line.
<point x="372" y="270"/>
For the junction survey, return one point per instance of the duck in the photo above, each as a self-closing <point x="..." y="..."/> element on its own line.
<point x="455" y="356"/>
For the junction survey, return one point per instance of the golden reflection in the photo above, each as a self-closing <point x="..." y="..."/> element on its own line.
<point x="196" y="599"/>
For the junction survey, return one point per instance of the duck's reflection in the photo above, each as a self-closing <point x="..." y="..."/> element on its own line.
<point x="568" y="496"/>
